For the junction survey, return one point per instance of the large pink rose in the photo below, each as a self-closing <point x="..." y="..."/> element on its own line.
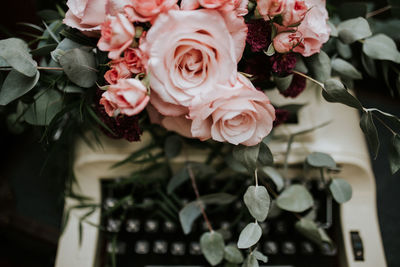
<point x="116" y="35"/>
<point x="243" y="117"/>
<point x="148" y="10"/>
<point x="314" y="28"/>
<point x="128" y="96"/>
<point x="270" y="8"/>
<point x="188" y="53"/>
<point x="88" y="15"/>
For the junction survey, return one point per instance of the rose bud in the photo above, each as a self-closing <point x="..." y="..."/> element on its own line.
<point x="284" y="42"/>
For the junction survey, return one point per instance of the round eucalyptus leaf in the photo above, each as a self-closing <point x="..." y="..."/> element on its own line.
<point x="353" y="29"/>
<point x="16" y="53"/>
<point x="295" y="198"/>
<point x="249" y="236"/>
<point x="320" y="160"/>
<point x="16" y="85"/>
<point x="251" y="261"/>
<point x="381" y="47"/>
<point x="247" y="155"/>
<point x="212" y="245"/>
<point x="233" y="254"/>
<point x="188" y="215"/>
<point x="345" y="69"/>
<point x="275" y="176"/>
<point x="257" y="201"/>
<point x="341" y="190"/>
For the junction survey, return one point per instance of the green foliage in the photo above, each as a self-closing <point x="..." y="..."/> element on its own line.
<point x="345" y="69"/>
<point x="213" y="247"/>
<point x="394" y="154"/>
<point x="179" y="178"/>
<point x="295" y="198"/>
<point x="232" y="254"/>
<point x="310" y="230"/>
<point x="274" y="175"/>
<point x="368" y="127"/>
<point x="249" y="236"/>
<point x="334" y="91"/>
<point x="257" y="201"/>
<point x="173" y="146"/>
<point x="283" y="83"/>
<point x="353" y="30"/>
<point x="16" y="85"/>
<point x="16" y="53"/>
<point x="341" y="190"/>
<point x="259" y="256"/>
<point x="253" y="156"/>
<point x="319" y="66"/>
<point x="251" y="261"/>
<point x="188" y="215"/>
<point x="381" y="47"/>
<point x="320" y="160"/>
<point x="344" y="50"/>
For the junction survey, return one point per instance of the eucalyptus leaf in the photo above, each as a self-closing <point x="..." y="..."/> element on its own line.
<point x="173" y="146"/>
<point x="368" y="127"/>
<point x="295" y="198"/>
<point x="310" y="230"/>
<point x="48" y="103"/>
<point x="271" y="50"/>
<point x="251" y="261"/>
<point x="353" y="30"/>
<point x="72" y="89"/>
<point x="80" y="67"/>
<point x="320" y="160"/>
<point x="257" y="201"/>
<point x="274" y="175"/>
<point x="341" y="190"/>
<point x="234" y="164"/>
<point x="218" y="198"/>
<point x="301" y="65"/>
<point x="344" y="50"/>
<point x="369" y="65"/>
<point x="393" y="119"/>
<point x="213" y="247"/>
<point x="65" y="45"/>
<point x="249" y="236"/>
<point x="16" y="53"/>
<point x="334" y="31"/>
<point x="346" y="69"/>
<point x="178" y="179"/>
<point x="334" y="91"/>
<point x="283" y="83"/>
<point x="319" y="66"/>
<point x="265" y="156"/>
<point x="394" y="154"/>
<point x="16" y="85"/>
<point x="381" y="47"/>
<point x="259" y="256"/>
<point x="247" y="155"/>
<point x="232" y="254"/>
<point x="188" y="215"/>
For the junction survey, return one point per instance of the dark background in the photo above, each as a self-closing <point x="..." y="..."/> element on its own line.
<point x="31" y="196"/>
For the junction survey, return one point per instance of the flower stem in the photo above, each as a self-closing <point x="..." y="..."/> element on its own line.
<point x="309" y="78"/>
<point x="378" y="11"/>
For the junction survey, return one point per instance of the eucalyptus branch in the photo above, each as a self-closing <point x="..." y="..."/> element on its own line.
<point x="196" y="191"/>
<point x="309" y="78"/>
<point x="39" y="68"/>
<point x="378" y="11"/>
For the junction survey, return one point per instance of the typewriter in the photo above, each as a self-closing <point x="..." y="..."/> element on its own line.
<point x="143" y="237"/>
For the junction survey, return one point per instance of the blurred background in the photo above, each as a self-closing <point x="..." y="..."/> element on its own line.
<point x="32" y="186"/>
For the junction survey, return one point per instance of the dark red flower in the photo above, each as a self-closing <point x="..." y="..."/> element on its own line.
<point x="281" y="116"/>
<point x="283" y="64"/>
<point x="258" y="35"/>
<point x="256" y="64"/>
<point x="297" y="86"/>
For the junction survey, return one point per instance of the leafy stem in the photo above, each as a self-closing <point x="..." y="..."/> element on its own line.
<point x="309" y="78"/>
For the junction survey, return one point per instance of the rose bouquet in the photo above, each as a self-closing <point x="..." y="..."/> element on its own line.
<point x="202" y="69"/>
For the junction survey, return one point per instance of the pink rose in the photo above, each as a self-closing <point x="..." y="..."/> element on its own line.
<point x="188" y="53"/>
<point x="286" y="41"/>
<point x="119" y="70"/>
<point x="133" y="59"/>
<point x="88" y="15"/>
<point x="148" y="10"/>
<point x="270" y="8"/>
<point x="116" y="35"/>
<point x="243" y="117"/>
<point x="314" y="28"/>
<point x="238" y="6"/>
<point x="294" y="12"/>
<point x="128" y="96"/>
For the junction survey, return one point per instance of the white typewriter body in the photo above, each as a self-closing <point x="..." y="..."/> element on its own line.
<point x="341" y="138"/>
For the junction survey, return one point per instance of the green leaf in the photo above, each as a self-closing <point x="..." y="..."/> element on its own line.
<point x="295" y="198"/>
<point x="394" y="154"/>
<point x="16" y="85"/>
<point x="283" y="83"/>
<point x="16" y="53"/>
<point x="369" y="65"/>
<point x="301" y="65"/>
<point x="344" y="50"/>
<point x="320" y="160"/>
<point x="232" y="254"/>
<point x="212" y="245"/>
<point x="71" y="89"/>
<point x="218" y="198"/>
<point x="393" y="119"/>
<point x="65" y="45"/>
<point x="257" y="201"/>
<point x="274" y="175"/>
<point x="249" y="236"/>
<point x="265" y="156"/>
<point x="173" y="146"/>
<point x="271" y="50"/>
<point x="80" y="67"/>
<point x="178" y="179"/>
<point x="381" y="47"/>
<point x="310" y="230"/>
<point x="319" y="66"/>
<point x="368" y="127"/>
<point x="251" y="261"/>
<point x="334" y="91"/>
<point x="188" y="215"/>
<point x="334" y="31"/>
<point x="259" y="256"/>
<point x="247" y="155"/>
<point x="234" y="164"/>
<point x="46" y="106"/>
<point x="43" y="50"/>
<point x="341" y="190"/>
<point x="345" y="69"/>
<point x="353" y="30"/>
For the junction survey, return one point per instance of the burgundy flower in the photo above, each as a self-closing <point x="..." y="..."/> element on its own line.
<point x="257" y="65"/>
<point x="283" y="64"/>
<point x="296" y="87"/>
<point x="281" y="116"/>
<point x="126" y="127"/>
<point x="258" y="35"/>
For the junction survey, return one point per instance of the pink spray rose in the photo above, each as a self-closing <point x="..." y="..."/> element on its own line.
<point x="284" y="42"/>
<point x="128" y="96"/>
<point x="294" y="12"/>
<point x="314" y="28"/>
<point x="245" y="116"/>
<point x="133" y="59"/>
<point x="188" y="53"/>
<point x="270" y="8"/>
<point x="88" y="15"/>
<point x="148" y="10"/>
<point x="119" y="70"/>
<point x="116" y="35"/>
<point x="238" y="6"/>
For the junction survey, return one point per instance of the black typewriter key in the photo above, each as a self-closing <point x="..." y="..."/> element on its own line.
<point x="151" y="226"/>
<point x="160" y="247"/>
<point x="225" y="225"/>
<point x="195" y="249"/>
<point x="238" y="205"/>
<point x="265" y="228"/>
<point x="109" y="203"/>
<point x="306" y="248"/>
<point x="118" y="248"/>
<point x="113" y="225"/>
<point x="281" y="227"/>
<point x="327" y="250"/>
<point x="142" y="247"/>
<point x="271" y="248"/>
<point x="178" y="249"/>
<point x="288" y="248"/>
<point x="132" y="226"/>
<point x="169" y="227"/>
